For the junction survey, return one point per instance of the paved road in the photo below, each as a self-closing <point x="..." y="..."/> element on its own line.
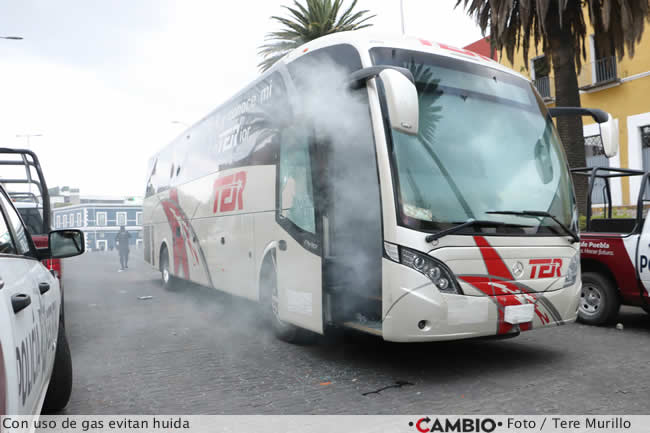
<point x="197" y="351"/>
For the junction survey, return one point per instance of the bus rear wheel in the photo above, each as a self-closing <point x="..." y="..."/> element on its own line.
<point x="167" y="278"/>
<point x="270" y="304"/>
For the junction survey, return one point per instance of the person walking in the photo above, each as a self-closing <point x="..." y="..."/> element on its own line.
<point x="122" y="243"/>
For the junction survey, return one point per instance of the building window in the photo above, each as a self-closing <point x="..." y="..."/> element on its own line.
<point x="541" y="76"/>
<point x="79" y="219"/>
<point x="101" y="219"/>
<point x="121" y="218"/>
<point x="65" y="221"/>
<point x="594" y="148"/>
<point x="645" y="152"/>
<point x="58" y="221"/>
<point x="645" y="136"/>
<point x="138" y="218"/>
<point x="595" y="155"/>
<point x="604" y="62"/>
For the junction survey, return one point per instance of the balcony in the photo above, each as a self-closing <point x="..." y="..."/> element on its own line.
<point x="546" y="87"/>
<point x="597" y="74"/>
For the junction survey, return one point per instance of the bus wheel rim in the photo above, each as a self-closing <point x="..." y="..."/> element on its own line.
<point x="275" y="303"/>
<point x="165" y="274"/>
<point x="591" y="299"/>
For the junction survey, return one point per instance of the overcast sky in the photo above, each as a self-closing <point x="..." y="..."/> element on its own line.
<point x="103" y="80"/>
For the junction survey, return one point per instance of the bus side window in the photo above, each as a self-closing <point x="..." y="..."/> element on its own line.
<point x="296" y="192"/>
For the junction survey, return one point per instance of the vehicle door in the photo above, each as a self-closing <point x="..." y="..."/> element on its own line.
<point x="28" y="310"/>
<point x="299" y="258"/>
<point x="643" y="249"/>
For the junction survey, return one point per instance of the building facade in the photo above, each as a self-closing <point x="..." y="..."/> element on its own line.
<point x="101" y="222"/>
<point x="63" y="196"/>
<point x="484" y="48"/>
<point x="620" y="87"/>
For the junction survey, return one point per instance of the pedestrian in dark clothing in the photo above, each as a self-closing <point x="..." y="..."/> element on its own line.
<point x="122" y="243"/>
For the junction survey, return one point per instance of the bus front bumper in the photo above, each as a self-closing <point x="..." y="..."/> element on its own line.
<point x="426" y="314"/>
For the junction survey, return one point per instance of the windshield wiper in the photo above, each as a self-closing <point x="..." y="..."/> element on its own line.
<point x="538" y="214"/>
<point x="469" y="222"/>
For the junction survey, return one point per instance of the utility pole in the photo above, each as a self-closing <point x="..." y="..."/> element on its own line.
<point x="401" y="12"/>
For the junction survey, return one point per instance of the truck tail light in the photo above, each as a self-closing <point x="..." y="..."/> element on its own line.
<point x="54" y="265"/>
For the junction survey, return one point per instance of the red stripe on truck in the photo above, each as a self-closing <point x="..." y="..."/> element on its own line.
<point x="609" y="250"/>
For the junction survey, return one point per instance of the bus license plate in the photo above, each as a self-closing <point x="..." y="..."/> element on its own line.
<point x="516" y="314"/>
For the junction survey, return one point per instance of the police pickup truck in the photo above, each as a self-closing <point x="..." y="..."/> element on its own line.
<point x="35" y="364"/>
<point x="614" y="248"/>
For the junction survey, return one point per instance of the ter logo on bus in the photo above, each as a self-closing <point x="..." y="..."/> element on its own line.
<point x="545" y="268"/>
<point x="229" y="192"/>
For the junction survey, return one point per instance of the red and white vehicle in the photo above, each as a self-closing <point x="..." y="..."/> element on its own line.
<point x="35" y="362"/>
<point x="400" y="187"/>
<point x="614" y="251"/>
<point x="21" y="174"/>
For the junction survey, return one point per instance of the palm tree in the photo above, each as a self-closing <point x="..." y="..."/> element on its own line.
<point x="560" y="27"/>
<point x="305" y="23"/>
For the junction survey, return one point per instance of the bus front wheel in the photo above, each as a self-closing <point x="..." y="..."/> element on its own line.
<point x="270" y="303"/>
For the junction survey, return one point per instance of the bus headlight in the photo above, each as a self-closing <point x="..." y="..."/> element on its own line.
<point x="574" y="270"/>
<point x="433" y="269"/>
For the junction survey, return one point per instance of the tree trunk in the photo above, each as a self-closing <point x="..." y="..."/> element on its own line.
<point x="568" y="95"/>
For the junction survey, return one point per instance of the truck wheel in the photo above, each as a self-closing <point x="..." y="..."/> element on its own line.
<point x="599" y="301"/>
<point x="58" y="392"/>
<point x="270" y="303"/>
<point x="168" y="280"/>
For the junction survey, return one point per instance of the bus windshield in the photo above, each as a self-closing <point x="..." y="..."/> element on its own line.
<point x="485" y="143"/>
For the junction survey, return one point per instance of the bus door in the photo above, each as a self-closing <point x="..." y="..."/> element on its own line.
<point x="299" y="252"/>
<point x="350" y="205"/>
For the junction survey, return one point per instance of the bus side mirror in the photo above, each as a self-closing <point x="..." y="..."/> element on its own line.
<point x="608" y="127"/>
<point x="402" y="101"/>
<point x="609" y="136"/>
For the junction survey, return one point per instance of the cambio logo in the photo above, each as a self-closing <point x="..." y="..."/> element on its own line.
<point x="463" y="425"/>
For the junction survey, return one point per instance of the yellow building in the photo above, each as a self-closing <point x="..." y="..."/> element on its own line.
<point x="621" y="88"/>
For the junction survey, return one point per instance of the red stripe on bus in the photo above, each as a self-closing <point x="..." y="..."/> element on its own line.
<point x="493" y="262"/>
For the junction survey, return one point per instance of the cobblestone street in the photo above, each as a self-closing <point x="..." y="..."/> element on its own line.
<point x="197" y="351"/>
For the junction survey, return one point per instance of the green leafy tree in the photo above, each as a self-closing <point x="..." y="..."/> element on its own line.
<point x="559" y="26"/>
<point x="307" y="22"/>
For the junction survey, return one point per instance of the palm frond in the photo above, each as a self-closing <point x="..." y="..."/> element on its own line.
<point x="513" y="24"/>
<point x="300" y="17"/>
<point x="310" y="20"/>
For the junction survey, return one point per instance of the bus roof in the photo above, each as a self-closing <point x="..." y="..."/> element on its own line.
<point x="363" y="42"/>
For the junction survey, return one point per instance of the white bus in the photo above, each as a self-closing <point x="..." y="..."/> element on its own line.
<point x="400" y="187"/>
